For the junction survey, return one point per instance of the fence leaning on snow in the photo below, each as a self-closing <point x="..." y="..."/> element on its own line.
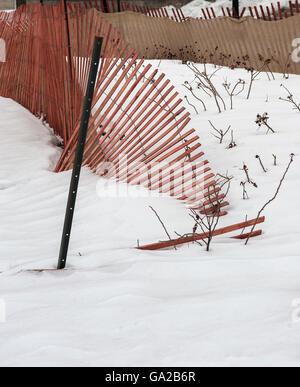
<point x="138" y="133"/>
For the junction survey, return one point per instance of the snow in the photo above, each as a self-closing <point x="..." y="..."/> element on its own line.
<point x="118" y="306"/>
<point x="193" y="9"/>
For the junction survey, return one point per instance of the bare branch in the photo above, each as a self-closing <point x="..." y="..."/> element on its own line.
<point x="273" y="198"/>
<point x="161" y="222"/>
<point x="220" y="133"/>
<point x="250" y="181"/>
<point x="233" y="93"/>
<point x="209" y="216"/>
<point x="191" y="104"/>
<point x="245" y="193"/>
<point x="232" y="143"/>
<point x="260" y="162"/>
<point x="290" y="99"/>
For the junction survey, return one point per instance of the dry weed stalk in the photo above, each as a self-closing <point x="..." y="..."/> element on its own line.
<point x="208" y="218"/>
<point x="232" y="143"/>
<point x="255" y="73"/>
<point x="261" y="163"/>
<point x="250" y="181"/>
<point x="205" y="84"/>
<point x="236" y="90"/>
<point x="262" y="120"/>
<point x="189" y="103"/>
<point x="220" y="134"/>
<point x="188" y="86"/>
<point x="245" y="193"/>
<point x="162" y="223"/>
<point x="273" y="198"/>
<point x="290" y="99"/>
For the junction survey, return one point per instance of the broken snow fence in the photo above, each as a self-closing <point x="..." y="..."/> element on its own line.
<point x="139" y="132"/>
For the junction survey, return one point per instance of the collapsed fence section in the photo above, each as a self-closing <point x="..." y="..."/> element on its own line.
<point x="139" y="132"/>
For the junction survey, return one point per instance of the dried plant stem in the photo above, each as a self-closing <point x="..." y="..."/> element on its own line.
<point x="232" y="143"/>
<point x="253" y="76"/>
<point x="220" y="133"/>
<point x="191" y="104"/>
<point x="189" y="88"/>
<point x="290" y="99"/>
<point x="261" y="163"/>
<point x="246" y="170"/>
<point x="208" y="218"/>
<point x="205" y="84"/>
<point x="245" y="193"/>
<point x="233" y="93"/>
<point x="162" y="223"/>
<point x="272" y="199"/>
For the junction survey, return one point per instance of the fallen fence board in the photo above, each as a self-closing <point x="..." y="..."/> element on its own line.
<point x="197" y="237"/>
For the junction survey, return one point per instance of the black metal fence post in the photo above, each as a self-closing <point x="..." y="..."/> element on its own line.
<point x="105" y="4"/>
<point x="119" y="5"/>
<point x="235" y="9"/>
<point x="20" y="2"/>
<point x="69" y="39"/>
<point x="86" y="111"/>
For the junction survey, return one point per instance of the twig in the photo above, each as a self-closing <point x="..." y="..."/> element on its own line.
<point x="221" y="133"/>
<point x="253" y="76"/>
<point x="205" y="84"/>
<point x="246" y="170"/>
<point x="273" y="198"/>
<point x="246" y="220"/>
<point x="189" y="88"/>
<point x="245" y="193"/>
<point x="290" y="99"/>
<point x="232" y="93"/>
<point x="261" y="164"/>
<point x="189" y="234"/>
<point x="161" y="222"/>
<point x="232" y="143"/>
<point x="211" y="215"/>
<point x="191" y="104"/>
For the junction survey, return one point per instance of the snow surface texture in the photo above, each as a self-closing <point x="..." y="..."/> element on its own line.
<point x="117" y="306"/>
<point x="193" y="9"/>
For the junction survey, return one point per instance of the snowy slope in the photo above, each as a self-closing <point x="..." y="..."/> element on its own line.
<point x="118" y="306"/>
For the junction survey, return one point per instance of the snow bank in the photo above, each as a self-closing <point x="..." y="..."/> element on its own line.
<point x="118" y="306"/>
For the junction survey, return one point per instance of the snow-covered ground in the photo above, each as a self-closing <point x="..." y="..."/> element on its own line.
<point x="117" y="306"/>
<point x="193" y="9"/>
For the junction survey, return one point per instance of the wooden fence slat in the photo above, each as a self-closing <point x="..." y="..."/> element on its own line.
<point x="197" y="237"/>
